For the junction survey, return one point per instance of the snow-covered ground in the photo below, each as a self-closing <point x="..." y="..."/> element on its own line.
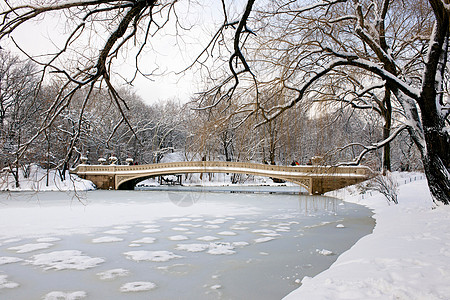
<point x="406" y="257"/>
<point x="37" y="181"/>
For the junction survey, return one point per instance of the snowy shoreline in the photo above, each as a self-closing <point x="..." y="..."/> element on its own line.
<point x="406" y="257"/>
<point x="36" y="181"/>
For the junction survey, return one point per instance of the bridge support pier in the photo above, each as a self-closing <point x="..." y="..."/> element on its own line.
<point x="322" y="185"/>
<point x="102" y="182"/>
<point x="316" y="186"/>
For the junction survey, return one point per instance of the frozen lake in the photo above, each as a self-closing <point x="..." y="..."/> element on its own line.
<point x="169" y="244"/>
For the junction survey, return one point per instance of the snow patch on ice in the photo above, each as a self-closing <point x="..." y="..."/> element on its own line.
<point x="245" y="222"/>
<point x="65" y="260"/>
<point x="30" y="247"/>
<point x="264" y="239"/>
<point x="190" y="225"/>
<point x="208" y="238"/>
<point x="180" y="229"/>
<point x="211" y="226"/>
<point x="217" y="221"/>
<point x="221" y="249"/>
<point x="283" y="229"/>
<point x="317" y="225"/>
<point x="324" y="252"/>
<point x="9" y="260"/>
<point x="178" y="238"/>
<point x="192" y="247"/>
<point x="145" y="240"/>
<point x="263" y="231"/>
<point x="57" y="295"/>
<point x="236" y="227"/>
<point x="116" y="231"/>
<point x="13" y="240"/>
<point x="177" y="220"/>
<point x="146" y="225"/>
<point x="113" y="274"/>
<point x="227" y="233"/>
<point x="6" y="284"/>
<point x="47" y="239"/>
<point x="107" y="239"/>
<point x="213" y="248"/>
<point x="156" y="256"/>
<point x="240" y="244"/>
<point x="123" y="227"/>
<point x="266" y="232"/>
<point x="137" y="286"/>
<point x="216" y="287"/>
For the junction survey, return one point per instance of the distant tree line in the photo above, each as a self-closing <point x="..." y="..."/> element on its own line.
<point x="146" y="132"/>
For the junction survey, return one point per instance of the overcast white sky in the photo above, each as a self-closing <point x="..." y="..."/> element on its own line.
<point x="169" y="54"/>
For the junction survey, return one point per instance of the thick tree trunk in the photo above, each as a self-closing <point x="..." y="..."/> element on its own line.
<point x="438" y="178"/>
<point x="429" y="135"/>
<point x="387" y="115"/>
<point x="436" y="160"/>
<point x="436" y="157"/>
<point x="16" y="177"/>
<point x="387" y="149"/>
<point x="433" y="142"/>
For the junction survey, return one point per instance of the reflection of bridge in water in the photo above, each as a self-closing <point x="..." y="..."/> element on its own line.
<point x="317" y="204"/>
<point x="316" y="179"/>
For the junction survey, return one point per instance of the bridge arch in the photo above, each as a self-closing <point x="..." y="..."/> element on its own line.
<point x="129" y="182"/>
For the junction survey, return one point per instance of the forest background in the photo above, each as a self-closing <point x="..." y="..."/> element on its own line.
<point x="347" y="82"/>
<point x="171" y="125"/>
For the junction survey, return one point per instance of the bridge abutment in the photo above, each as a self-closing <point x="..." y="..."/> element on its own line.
<point x="103" y="177"/>
<point x="102" y="182"/>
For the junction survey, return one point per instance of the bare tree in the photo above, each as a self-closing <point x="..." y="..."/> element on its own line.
<point x="401" y="47"/>
<point x="84" y="61"/>
<point x="387" y="185"/>
<point x="19" y="109"/>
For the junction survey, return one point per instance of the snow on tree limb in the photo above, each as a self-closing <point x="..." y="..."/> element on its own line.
<point x="367" y="149"/>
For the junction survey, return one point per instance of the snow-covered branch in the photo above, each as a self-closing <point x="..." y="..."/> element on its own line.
<point x="367" y="149"/>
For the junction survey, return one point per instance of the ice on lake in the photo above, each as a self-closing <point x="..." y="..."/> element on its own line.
<point x="160" y="245"/>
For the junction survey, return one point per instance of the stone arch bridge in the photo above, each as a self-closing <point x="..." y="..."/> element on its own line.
<point x="316" y="179"/>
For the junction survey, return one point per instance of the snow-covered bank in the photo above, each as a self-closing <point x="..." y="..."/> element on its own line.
<point x="406" y="257"/>
<point x="37" y="181"/>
